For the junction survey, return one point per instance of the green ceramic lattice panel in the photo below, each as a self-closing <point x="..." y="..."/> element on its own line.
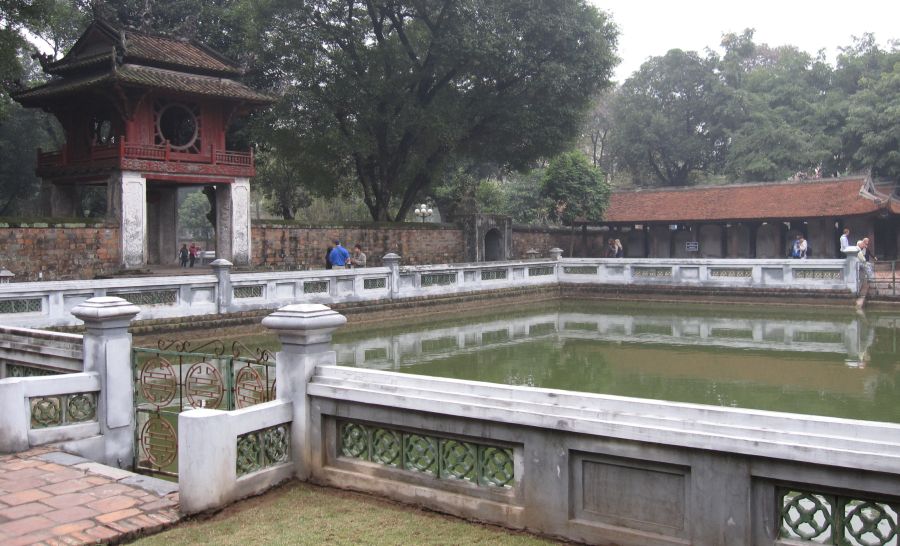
<point x="315" y="287"/>
<point x="66" y="409"/>
<point x="263" y="448"/>
<point x="458" y="460"/>
<point x="539" y="271"/>
<point x="354" y="441"/>
<point x="493" y="275"/>
<point x="497" y="466"/>
<point x="818" y="274"/>
<point x="421" y="453"/>
<point x="255" y="291"/>
<point x="445" y="458"/>
<point x="387" y="447"/>
<point x="833" y="519"/>
<point x="374" y="284"/>
<point x="15" y="370"/>
<point x="580" y="270"/>
<point x="150" y="297"/>
<point x="28" y="305"/>
<point x="438" y="279"/>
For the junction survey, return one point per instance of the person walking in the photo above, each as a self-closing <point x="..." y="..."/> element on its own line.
<point x="338" y="255"/>
<point x="192" y="253"/>
<point x="328" y="250"/>
<point x="620" y="252"/>
<point x="804" y="247"/>
<point x="183" y="255"/>
<point x="359" y="257"/>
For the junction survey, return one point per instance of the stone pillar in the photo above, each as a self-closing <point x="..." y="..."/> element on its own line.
<point x="63" y="201"/>
<point x="131" y="209"/>
<point x="392" y="262"/>
<point x="233" y="221"/>
<point x="556" y="253"/>
<point x="305" y="334"/>
<point x="13" y="416"/>
<point x="107" y="351"/>
<point x="222" y="269"/>
<point x="852" y="265"/>
<point x="168" y="221"/>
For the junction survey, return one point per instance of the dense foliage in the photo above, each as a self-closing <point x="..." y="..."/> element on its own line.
<point x="462" y="103"/>
<point x="758" y="113"/>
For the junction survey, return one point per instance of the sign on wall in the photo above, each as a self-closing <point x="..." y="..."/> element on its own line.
<point x="692" y="246"/>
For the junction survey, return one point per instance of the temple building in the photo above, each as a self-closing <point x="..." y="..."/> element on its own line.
<point x="144" y="115"/>
<point x="754" y="220"/>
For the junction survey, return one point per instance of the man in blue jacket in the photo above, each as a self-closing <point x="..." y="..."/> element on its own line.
<point x="338" y="255"/>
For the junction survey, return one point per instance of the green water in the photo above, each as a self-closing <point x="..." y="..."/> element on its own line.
<point x="840" y="365"/>
<point x="831" y="363"/>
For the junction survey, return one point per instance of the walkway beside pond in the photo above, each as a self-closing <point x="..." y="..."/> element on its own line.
<point x="51" y="497"/>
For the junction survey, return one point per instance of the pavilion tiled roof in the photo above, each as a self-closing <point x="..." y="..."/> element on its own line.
<point x="106" y="56"/>
<point x="829" y="198"/>
<point x="147" y="77"/>
<point x="105" y="43"/>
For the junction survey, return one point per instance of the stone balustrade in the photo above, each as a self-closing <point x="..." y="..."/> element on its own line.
<point x="42" y="304"/>
<point x="26" y="352"/>
<point x="587" y="467"/>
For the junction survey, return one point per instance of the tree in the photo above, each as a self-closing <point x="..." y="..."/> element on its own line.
<point x="192" y="216"/>
<point x="598" y="123"/>
<point x="575" y="189"/>
<point x="400" y="87"/>
<point x="671" y="119"/>
<point x="781" y="105"/>
<point x="874" y="120"/>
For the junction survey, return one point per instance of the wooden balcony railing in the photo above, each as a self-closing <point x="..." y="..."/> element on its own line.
<point x="105" y="154"/>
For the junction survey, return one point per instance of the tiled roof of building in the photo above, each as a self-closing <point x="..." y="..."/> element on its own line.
<point x="834" y="197"/>
<point x="144" y="76"/>
<point x="104" y="43"/>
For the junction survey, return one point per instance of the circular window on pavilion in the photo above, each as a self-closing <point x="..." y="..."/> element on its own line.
<point x="179" y="124"/>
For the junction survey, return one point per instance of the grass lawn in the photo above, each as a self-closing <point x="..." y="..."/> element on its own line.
<point x="300" y="513"/>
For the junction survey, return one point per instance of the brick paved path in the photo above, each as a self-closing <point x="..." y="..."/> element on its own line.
<point x="50" y="497"/>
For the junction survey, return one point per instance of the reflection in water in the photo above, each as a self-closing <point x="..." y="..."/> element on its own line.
<point x="841" y="366"/>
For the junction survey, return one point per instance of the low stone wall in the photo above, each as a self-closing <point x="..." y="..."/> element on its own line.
<point x="303" y="247"/>
<point x="60" y="251"/>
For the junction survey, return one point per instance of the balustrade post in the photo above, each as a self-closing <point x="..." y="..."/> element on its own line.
<point x="107" y="351"/>
<point x="224" y="293"/>
<point x="851" y="269"/>
<point x="392" y="262"/>
<point x="305" y="333"/>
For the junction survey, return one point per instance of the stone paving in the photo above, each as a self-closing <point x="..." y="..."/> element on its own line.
<point x="50" y="497"/>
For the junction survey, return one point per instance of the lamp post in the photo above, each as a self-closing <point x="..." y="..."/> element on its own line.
<point x="423" y="212"/>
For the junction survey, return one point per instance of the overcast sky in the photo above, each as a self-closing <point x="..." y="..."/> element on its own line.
<point x="649" y="29"/>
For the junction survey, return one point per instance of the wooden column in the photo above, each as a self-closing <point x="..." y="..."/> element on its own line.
<point x="754" y="228"/>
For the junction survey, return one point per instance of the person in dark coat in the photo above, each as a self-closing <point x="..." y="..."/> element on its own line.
<point x="328" y="256"/>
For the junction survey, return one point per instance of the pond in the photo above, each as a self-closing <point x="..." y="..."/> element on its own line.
<point x="818" y="362"/>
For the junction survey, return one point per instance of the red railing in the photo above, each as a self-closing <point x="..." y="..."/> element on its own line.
<point x="152" y="152"/>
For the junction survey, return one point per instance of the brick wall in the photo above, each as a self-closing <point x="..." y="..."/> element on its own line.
<point x="589" y="245"/>
<point x="79" y="251"/>
<point x="284" y="246"/>
<point x="59" y="251"/>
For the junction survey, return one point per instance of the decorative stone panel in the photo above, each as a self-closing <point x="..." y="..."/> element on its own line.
<point x="823" y="518"/>
<point x="441" y="457"/>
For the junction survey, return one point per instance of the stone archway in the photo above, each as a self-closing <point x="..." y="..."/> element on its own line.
<point x="493" y="245"/>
